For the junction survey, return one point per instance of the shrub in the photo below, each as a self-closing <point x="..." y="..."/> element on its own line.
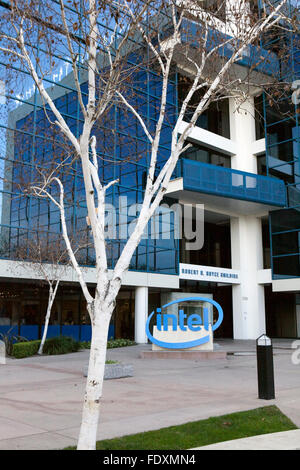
<point x="52" y="346"/>
<point x="111" y="343"/>
<point x="61" y="345"/>
<point x="25" y="349"/>
<point x="119" y="343"/>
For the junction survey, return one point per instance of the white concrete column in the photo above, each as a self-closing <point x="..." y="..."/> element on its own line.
<point x="141" y="315"/>
<point x="246" y="233"/>
<point x="242" y="131"/>
<point x="248" y="298"/>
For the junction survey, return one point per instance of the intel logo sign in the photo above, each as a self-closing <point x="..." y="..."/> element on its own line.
<point x="184" y="323"/>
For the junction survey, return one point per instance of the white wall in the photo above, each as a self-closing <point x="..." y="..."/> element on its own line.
<point x="242" y="131"/>
<point x="25" y="270"/>
<point x="140" y="315"/>
<point x="246" y="233"/>
<point x="248" y="297"/>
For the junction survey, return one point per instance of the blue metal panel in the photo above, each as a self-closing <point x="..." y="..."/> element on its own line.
<point x="29" y="332"/>
<point x="85" y="333"/>
<point x="4" y="329"/>
<point x="111" y="332"/>
<point x="225" y="182"/>
<point x="70" y="330"/>
<point x="53" y="330"/>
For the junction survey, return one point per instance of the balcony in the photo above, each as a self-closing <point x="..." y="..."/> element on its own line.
<point x="236" y="184"/>
<point x="256" y="57"/>
<point x="255" y="60"/>
<point x="228" y="189"/>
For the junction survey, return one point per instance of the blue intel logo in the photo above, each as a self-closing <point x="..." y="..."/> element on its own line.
<point x="194" y="323"/>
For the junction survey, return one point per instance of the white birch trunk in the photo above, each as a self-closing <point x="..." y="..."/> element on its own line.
<point x="51" y="298"/>
<point x="91" y="406"/>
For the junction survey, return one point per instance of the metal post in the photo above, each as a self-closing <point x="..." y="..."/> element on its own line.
<point x="265" y="368"/>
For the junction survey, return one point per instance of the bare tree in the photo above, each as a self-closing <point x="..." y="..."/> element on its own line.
<point x="183" y="34"/>
<point x="48" y="259"/>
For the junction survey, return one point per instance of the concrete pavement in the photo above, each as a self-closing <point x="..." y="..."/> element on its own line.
<point x="287" y="440"/>
<point x="41" y="397"/>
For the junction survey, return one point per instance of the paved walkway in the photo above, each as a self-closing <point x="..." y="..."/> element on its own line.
<point x="41" y="397"/>
<point x="288" y="440"/>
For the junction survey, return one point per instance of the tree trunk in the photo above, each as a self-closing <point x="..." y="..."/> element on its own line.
<point x="94" y="384"/>
<point x="47" y="318"/>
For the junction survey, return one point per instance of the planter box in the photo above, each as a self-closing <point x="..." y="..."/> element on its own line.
<point x="114" y="371"/>
<point x="193" y="355"/>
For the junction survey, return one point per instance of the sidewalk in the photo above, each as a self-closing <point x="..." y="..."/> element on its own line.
<point x="288" y="440"/>
<point x="41" y="397"/>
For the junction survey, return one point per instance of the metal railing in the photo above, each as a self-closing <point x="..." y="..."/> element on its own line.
<point x="225" y="182"/>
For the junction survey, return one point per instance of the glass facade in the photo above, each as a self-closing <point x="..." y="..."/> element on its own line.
<point x="31" y="143"/>
<point x="215" y="119"/>
<point x="202" y="154"/>
<point x="281" y="314"/>
<point x="282" y="159"/>
<point x="23" y="306"/>
<point x="216" y="250"/>
<point x="285" y="243"/>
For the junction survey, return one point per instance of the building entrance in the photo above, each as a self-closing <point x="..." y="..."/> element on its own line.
<point x="281" y="314"/>
<point x="123" y="317"/>
<point x="222" y="295"/>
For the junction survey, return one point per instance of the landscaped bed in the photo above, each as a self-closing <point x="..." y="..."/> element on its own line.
<point x="112" y="343"/>
<point x="264" y="420"/>
<point x="58" y="345"/>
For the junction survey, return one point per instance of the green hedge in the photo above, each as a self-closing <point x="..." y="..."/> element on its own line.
<point x="111" y="343"/>
<point x="25" y="349"/>
<point x="52" y="346"/>
<point x="61" y="345"/>
<point x="119" y="343"/>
